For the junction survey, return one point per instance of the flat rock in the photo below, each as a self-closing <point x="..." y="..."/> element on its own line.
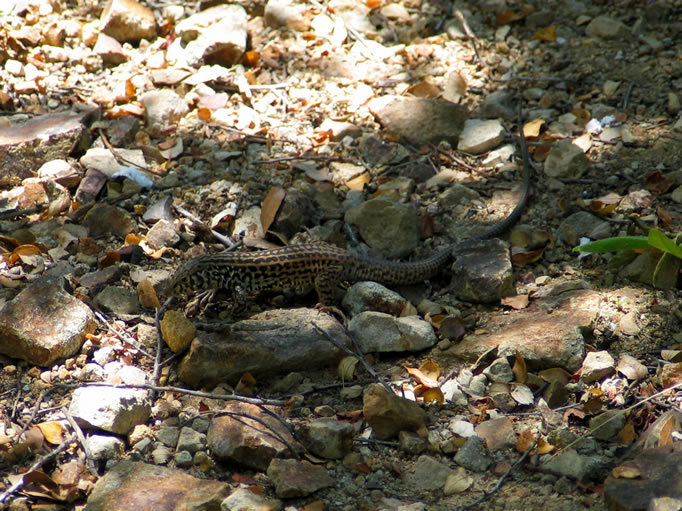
<point x="482" y="271"/>
<point x="24" y="147"/>
<point x="44" y="323"/>
<point x="270" y="342"/>
<point x="293" y="478"/>
<point x="242" y="440"/>
<point x="117" y="410"/>
<point x="544" y="339"/>
<point x="389" y="414"/>
<point x="381" y="332"/>
<point x="418" y="120"/>
<point x="127" y="20"/>
<point x="135" y="485"/>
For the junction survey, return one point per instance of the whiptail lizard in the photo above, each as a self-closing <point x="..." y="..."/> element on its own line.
<point x="318" y="265"/>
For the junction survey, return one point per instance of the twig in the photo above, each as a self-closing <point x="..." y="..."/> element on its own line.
<point x="122" y="335"/>
<point x="34" y="412"/>
<point x="39" y="463"/>
<point x="357" y="354"/>
<point x="231" y="245"/>
<point x="18" y="396"/>
<point x="6" y="215"/>
<point x="159" y="340"/>
<point x="500" y="482"/>
<point x="119" y="159"/>
<point x="89" y="459"/>
<point x="470" y="34"/>
<point x="179" y="390"/>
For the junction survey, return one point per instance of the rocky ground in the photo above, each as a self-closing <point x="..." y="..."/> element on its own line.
<point x="525" y="375"/>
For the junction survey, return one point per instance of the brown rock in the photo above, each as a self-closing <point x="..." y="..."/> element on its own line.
<point x="389" y="414"/>
<point x="274" y="341"/>
<point x="243" y="440"/>
<point x="25" y="147"/>
<point x="660" y="475"/>
<point x="127" y="20"/>
<point x="293" y="478"/>
<point x="135" y="485"/>
<point x="43" y="323"/>
<point x="421" y="121"/>
<point x="544" y="340"/>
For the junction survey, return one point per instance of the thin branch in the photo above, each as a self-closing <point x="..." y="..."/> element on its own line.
<point x="179" y="390"/>
<point x="39" y="463"/>
<point x="89" y="458"/>
<point x="356" y="354"/>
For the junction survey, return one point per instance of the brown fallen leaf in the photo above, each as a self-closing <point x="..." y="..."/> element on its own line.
<point x="271" y="204"/>
<point x="517" y="302"/>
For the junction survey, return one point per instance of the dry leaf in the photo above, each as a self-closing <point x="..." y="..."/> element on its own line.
<point x="520" y="371"/>
<point x="271" y="205"/>
<point x="525" y="440"/>
<point x="246" y="384"/>
<point x="555" y="374"/>
<point x="521" y="256"/>
<point x="543" y="447"/>
<point x="346" y="368"/>
<point x="522" y="395"/>
<point x="517" y="302"/>
<point x="430" y="369"/>
<point x="358" y="182"/>
<point x="627" y="435"/>
<point x="546" y="34"/>
<point x="147" y="295"/>
<point x="53" y="431"/>
<point x="455" y="87"/>
<point x="532" y="128"/>
<point x="627" y="470"/>
<point x="424" y="90"/>
<point x="421" y="377"/>
<point x="429" y="394"/>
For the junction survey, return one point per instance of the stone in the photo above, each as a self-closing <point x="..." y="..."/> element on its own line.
<point x="328" y="438"/>
<point x="43" y="323"/>
<point x="275" y="341"/>
<point x="127" y="20"/>
<point x="117" y="410"/>
<point x="389" y="227"/>
<point x="293" y="478"/>
<point x="389" y="414"/>
<point x="135" y="485"/>
<point x="243" y="441"/>
<point x="379" y="332"/>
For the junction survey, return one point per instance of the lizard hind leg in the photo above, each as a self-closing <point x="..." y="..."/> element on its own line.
<point x="326" y="282"/>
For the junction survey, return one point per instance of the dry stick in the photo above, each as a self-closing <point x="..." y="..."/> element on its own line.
<point x="159" y="340"/>
<point x="18" y="396"/>
<point x="6" y="215"/>
<point x="39" y="400"/>
<point x="39" y="463"/>
<point x="500" y="482"/>
<point x="231" y="245"/>
<point x="119" y="159"/>
<point x="238" y="416"/>
<point x="618" y="415"/>
<point x="89" y="459"/>
<point x="179" y="390"/>
<point x="470" y="34"/>
<point x="122" y="335"/>
<point x="357" y="354"/>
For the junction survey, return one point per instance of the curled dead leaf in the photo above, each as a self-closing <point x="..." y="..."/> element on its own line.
<point x="271" y="204"/>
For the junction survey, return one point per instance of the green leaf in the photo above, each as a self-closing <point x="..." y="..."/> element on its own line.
<point x="659" y="240"/>
<point x="616" y="244"/>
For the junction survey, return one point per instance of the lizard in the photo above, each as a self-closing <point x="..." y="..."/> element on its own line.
<point x="321" y="266"/>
